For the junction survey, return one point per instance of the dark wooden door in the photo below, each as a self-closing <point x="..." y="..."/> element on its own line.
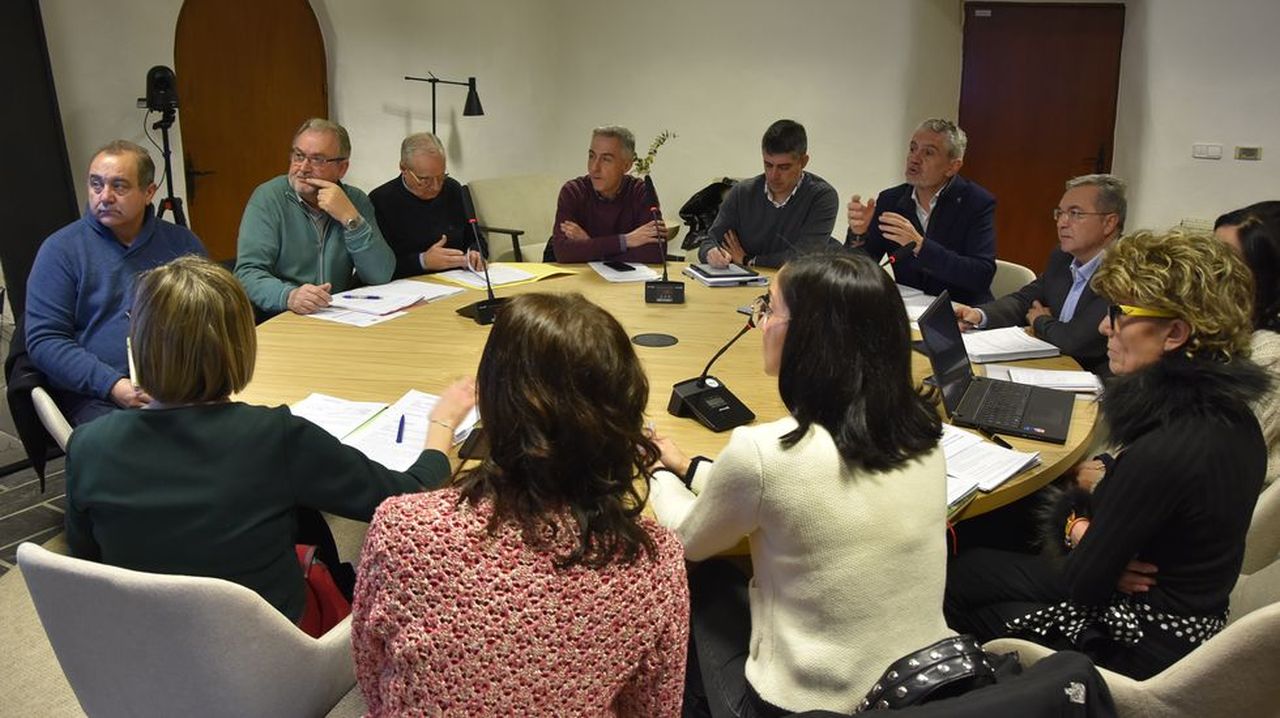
<point x="1038" y="101"/>
<point x="249" y="72"/>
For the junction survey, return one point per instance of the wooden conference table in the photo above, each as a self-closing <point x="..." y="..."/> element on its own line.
<point x="433" y="345"/>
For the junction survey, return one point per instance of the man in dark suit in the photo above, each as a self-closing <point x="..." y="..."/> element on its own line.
<point x="947" y="220"/>
<point x="1059" y="305"/>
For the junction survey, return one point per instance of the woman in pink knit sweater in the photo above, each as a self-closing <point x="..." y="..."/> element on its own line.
<point x="532" y="586"/>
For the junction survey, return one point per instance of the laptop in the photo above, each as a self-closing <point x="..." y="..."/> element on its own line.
<point x="992" y="405"/>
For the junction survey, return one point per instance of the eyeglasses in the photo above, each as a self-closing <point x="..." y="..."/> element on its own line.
<point x="428" y="181"/>
<point x="761" y="312"/>
<point x="1115" y="311"/>
<point x="297" y="157"/>
<point x="1074" y="214"/>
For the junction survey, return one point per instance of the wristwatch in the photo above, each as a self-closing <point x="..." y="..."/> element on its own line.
<point x="354" y="223"/>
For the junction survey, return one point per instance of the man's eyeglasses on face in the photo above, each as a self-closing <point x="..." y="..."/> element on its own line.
<point x="1115" y="311"/>
<point x="297" y="157"/>
<point x="1075" y="215"/>
<point x="428" y="181"/>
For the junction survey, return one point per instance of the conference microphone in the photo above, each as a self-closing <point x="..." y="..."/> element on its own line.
<point x="660" y="291"/>
<point x="707" y="399"/>
<point x="485" y="310"/>
<point x="898" y="255"/>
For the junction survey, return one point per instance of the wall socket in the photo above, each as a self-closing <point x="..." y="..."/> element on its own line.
<point x="1206" y="151"/>
<point x="1248" y="153"/>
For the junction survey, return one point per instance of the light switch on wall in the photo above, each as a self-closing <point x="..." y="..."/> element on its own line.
<point x="1206" y="151"/>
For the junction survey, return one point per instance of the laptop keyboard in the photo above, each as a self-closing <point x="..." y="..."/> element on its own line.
<point x="1003" y="404"/>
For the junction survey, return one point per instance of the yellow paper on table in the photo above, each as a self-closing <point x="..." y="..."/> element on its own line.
<point x="504" y="274"/>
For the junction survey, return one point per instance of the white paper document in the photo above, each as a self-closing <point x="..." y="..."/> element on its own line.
<point x="1075" y="381"/>
<point x="336" y="416"/>
<point x="1006" y="344"/>
<point x="499" y="274"/>
<point x="384" y="442"/>
<point x="638" y="273"/>
<point x="974" y="462"/>
<point x="355" y="319"/>
<point x="387" y="298"/>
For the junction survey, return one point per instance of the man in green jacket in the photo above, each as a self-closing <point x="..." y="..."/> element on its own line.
<point x="302" y="232"/>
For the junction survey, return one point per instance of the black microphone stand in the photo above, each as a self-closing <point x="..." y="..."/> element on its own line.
<point x="485" y="310"/>
<point x="707" y="399"/>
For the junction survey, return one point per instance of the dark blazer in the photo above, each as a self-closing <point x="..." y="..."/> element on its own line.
<point x="959" y="252"/>
<point x="1078" y="338"/>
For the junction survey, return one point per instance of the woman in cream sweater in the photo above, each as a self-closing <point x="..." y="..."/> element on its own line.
<point x="843" y="502"/>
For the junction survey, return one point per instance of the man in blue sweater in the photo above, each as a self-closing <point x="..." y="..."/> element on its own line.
<point x="81" y="285"/>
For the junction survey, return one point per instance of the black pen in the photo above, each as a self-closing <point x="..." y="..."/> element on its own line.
<point x="998" y="441"/>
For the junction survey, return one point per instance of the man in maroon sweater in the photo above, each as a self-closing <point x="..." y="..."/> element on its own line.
<point x="607" y="213"/>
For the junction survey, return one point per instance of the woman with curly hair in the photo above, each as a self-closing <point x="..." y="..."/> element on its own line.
<point x="532" y="586"/>
<point x="1153" y="553"/>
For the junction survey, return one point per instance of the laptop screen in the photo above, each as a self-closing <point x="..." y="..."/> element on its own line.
<point x="946" y="351"/>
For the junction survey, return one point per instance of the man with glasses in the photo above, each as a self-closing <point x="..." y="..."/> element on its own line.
<point x="420" y="212"/>
<point x="608" y="214"/>
<point x="946" y="220"/>
<point x="80" y="285"/>
<point x="304" y="231"/>
<point x="1059" y="305"/>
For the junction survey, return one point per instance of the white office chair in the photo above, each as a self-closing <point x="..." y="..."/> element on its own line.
<point x="1262" y="543"/>
<point x="145" y="644"/>
<point x="1234" y="674"/>
<point x="1009" y="278"/>
<point x="51" y="417"/>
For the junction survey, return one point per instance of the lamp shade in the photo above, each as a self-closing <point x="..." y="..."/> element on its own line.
<point x="472" y="108"/>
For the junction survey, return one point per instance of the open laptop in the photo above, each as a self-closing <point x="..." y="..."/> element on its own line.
<point x="991" y="405"/>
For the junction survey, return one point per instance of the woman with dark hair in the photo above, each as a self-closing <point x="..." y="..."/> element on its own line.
<point x="1152" y="554"/>
<point x="533" y="586"/>
<point x="1254" y="233"/>
<point x="843" y="501"/>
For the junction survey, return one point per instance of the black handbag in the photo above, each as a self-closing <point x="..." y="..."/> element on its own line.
<point x="944" y="669"/>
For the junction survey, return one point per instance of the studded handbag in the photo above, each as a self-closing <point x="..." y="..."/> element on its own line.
<point x="944" y="669"/>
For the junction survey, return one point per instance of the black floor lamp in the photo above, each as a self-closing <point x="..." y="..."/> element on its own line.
<point x="471" y="109"/>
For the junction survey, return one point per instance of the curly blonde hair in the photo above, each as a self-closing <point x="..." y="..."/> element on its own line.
<point x="1191" y="275"/>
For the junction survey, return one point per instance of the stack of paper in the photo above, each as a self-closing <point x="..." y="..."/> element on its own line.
<point x="1007" y="344"/>
<point x="1077" y="381"/>
<point x="374" y="428"/>
<point x="730" y="276"/>
<point x="638" y="273"/>
<point x="387" y="298"/>
<point x="976" y="465"/>
<point x="499" y="274"/>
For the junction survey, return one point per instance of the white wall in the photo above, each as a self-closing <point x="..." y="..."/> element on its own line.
<point x="1197" y="72"/>
<point x="858" y="73"/>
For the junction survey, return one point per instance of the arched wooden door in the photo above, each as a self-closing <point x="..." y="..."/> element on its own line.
<point x="249" y="72"/>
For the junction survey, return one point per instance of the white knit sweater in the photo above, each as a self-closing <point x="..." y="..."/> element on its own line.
<point x="1265" y="352"/>
<point x="850" y="566"/>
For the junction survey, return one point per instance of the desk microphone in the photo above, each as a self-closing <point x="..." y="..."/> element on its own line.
<point x="663" y="291"/>
<point x="898" y="255"/>
<point x="709" y="401"/>
<point x="485" y="310"/>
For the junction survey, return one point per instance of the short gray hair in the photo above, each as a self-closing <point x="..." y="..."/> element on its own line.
<point x="420" y="143"/>
<point x="145" y="165"/>
<point x="620" y="134"/>
<point x="1111" y="193"/>
<point x="957" y="140"/>
<point x="318" y="124"/>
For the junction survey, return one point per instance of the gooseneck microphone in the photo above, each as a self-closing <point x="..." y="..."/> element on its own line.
<point x="708" y="400"/>
<point x="660" y="291"/>
<point x="485" y="310"/>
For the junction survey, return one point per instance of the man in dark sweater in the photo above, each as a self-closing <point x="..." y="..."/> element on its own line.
<point x="420" y="211"/>
<point x="81" y="285"/>
<point x="607" y="213"/>
<point x="780" y="214"/>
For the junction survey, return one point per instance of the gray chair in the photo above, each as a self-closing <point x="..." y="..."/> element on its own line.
<point x="1232" y="675"/>
<point x="143" y="644"/>
<point x="1009" y="278"/>
<point x="1262" y="544"/>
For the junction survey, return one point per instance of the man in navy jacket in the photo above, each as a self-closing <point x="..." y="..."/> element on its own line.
<point x="947" y="220"/>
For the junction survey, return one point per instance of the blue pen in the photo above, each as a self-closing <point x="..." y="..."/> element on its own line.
<point x="361" y="296"/>
<point x="400" y="431"/>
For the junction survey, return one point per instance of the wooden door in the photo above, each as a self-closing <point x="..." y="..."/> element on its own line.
<point x="1038" y="101"/>
<point x="249" y="72"/>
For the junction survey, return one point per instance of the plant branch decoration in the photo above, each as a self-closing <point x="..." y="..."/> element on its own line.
<point x="644" y="164"/>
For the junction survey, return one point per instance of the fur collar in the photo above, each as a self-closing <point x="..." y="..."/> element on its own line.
<point x="1178" y="387"/>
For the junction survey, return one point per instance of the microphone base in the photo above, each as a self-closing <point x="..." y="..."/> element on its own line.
<point x="710" y="402"/>
<point x="483" y="311"/>
<point x="661" y="291"/>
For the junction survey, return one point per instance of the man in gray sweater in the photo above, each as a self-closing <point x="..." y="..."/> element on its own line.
<point x="770" y="218"/>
